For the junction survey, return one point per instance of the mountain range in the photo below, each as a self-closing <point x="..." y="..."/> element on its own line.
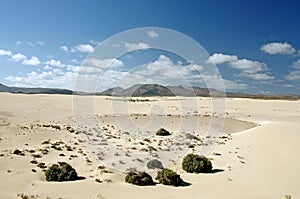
<point x="143" y="90"/>
<point x="157" y="90"/>
<point x="23" y="90"/>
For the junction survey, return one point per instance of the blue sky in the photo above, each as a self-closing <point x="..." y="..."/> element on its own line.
<point x="255" y="44"/>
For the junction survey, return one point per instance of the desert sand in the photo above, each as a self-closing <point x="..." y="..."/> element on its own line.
<point x="255" y="153"/>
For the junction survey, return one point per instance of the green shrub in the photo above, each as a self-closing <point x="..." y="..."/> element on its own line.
<point x="163" y="132"/>
<point x="196" y="164"/>
<point x="154" y="164"/>
<point x="139" y="178"/>
<point x="61" y="172"/>
<point x="169" y="177"/>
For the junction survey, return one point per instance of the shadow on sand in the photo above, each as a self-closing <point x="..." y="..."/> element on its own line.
<point x="185" y="184"/>
<point x="214" y="171"/>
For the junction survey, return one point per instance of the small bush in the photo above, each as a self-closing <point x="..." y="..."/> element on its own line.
<point x="139" y="178"/>
<point x="163" y="132"/>
<point x="61" y="172"/>
<point x="154" y="164"/>
<point x="196" y="164"/>
<point x="18" y="152"/>
<point x="169" y="177"/>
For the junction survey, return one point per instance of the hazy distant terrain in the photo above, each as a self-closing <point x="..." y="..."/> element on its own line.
<point x="144" y="90"/>
<point x="8" y="89"/>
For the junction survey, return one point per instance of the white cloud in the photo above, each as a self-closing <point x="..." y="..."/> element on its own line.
<point x="219" y="83"/>
<point x="83" y="48"/>
<point x="33" y="61"/>
<point x="87" y="70"/>
<point x="14" y="79"/>
<point x="18" y="43"/>
<point x="257" y="76"/>
<point x="248" y="66"/>
<point x="152" y="34"/>
<point x="136" y="46"/>
<point x="214" y="82"/>
<point x="54" y="62"/>
<point x="58" y="71"/>
<point x="161" y="71"/>
<point x="103" y="63"/>
<point x="30" y="44"/>
<point x="5" y="52"/>
<point x="64" y="48"/>
<point x="296" y="64"/>
<point x="278" y="48"/>
<point x="194" y="67"/>
<point x="49" y="56"/>
<point x="41" y="43"/>
<point x="252" y="69"/>
<point x="95" y="43"/>
<point x="219" y="58"/>
<point x="75" y="61"/>
<point x="18" y="57"/>
<point x="293" y="75"/>
<point x="288" y="85"/>
<point x="47" y="67"/>
<point x="232" y="85"/>
<point x="48" y="79"/>
<point x="163" y="67"/>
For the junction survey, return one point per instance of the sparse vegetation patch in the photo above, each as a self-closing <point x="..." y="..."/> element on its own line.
<point x="61" y="172"/>
<point x="163" y="132"/>
<point x="193" y="163"/>
<point x="169" y="177"/>
<point x="139" y="178"/>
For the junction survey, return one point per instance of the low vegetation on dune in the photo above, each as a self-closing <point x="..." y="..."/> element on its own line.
<point x="169" y="177"/>
<point x="139" y="178"/>
<point x="164" y="176"/>
<point x="163" y="132"/>
<point x="61" y="172"/>
<point x="193" y="163"/>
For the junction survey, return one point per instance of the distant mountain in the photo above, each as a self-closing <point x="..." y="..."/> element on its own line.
<point x="150" y="90"/>
<point x="140" y="90"/>
<point x="112" y="91"/>
<point x="4" y="88"/>
<point x="159" y="90"/>
<point x="143" y="90"/>
<point x="182" y="91"/>
<point x="22" y="90"/>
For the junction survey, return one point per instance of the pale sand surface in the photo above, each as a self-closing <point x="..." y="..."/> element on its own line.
<point x="258" y="159"/>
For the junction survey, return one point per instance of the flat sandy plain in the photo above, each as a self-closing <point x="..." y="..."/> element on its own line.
<point x="256" y="153"/>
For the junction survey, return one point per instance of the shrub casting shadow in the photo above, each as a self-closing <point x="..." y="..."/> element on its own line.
<point x="62" y="172"/>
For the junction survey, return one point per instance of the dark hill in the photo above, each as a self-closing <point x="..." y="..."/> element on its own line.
<point x="142" y="90"/>
<point x="22" y="90"/>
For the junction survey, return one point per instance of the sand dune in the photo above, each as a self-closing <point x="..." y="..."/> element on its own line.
<point x="256" y="151"/>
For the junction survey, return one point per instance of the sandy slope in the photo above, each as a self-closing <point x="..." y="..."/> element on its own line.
<point x="260" y="162"/>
